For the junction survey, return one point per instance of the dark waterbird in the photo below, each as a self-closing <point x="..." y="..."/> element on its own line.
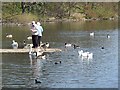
<point x="36" y="81"/>
<point x="58" y="62"/>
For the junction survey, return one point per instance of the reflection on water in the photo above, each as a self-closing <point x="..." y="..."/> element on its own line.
<point x="20" y="70"/>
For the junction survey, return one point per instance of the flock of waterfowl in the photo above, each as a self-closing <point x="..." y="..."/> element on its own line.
<point x="38" y="53"/>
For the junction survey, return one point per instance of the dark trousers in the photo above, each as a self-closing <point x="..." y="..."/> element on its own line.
<point x="39" y="39"/>
<point x="35" y="41"/>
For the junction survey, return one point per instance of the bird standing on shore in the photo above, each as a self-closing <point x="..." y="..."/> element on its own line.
<point x="14" y="44"/>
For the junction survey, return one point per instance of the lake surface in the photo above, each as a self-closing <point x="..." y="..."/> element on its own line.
<point x="20" y="70"/>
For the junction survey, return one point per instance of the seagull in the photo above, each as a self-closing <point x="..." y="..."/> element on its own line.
<point x="14" y="44"/>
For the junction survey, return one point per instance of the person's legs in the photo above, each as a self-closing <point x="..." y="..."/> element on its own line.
<point x="33" y="41"/>
<point x="36" y="41"/>
<point x="39" y="38"/>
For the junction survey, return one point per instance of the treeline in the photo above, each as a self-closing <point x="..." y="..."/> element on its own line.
<point x="59" y="10"/>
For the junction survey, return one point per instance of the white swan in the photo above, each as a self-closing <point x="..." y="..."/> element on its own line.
<point x="14" y="44"/>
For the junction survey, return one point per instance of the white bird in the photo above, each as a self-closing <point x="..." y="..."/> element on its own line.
<point x="14" y="44"/>
<point x="68" y="45"/>
<point x="29" y="38"/>
<point x="85" y="54"/>
<point x="108" y="36"/>
<point x="90" y="56"/>
<point x="8" y="35"/>
<point x="80" y="52"/>
<point x="92" y="34"/>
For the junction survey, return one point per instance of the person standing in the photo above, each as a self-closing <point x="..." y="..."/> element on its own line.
<point x="40" y="30"/>
<point x="34" y="32"/>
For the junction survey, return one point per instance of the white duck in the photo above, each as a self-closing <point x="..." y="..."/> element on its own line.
<point x="14" y="44"/>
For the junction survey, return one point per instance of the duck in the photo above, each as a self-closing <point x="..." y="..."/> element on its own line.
<point x="108" y="36"/>
<point x="36" y="53"/>
<point x="29" y="38"/>
<point x="36" y="81"/>
<point x="14" y="44"/>
<point x="68" y="45"/>
<point x="102" y="47"/>
<point x="45" y="45"/>
<point x="92" y="34"/>
<point x="76" y="46"/>
<point x="8" y="35"/>
<point x="58" y="62"/>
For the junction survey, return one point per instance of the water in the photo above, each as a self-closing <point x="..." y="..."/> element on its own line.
<point x="20" y="70"/>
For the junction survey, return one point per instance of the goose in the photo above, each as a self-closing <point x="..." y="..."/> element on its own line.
<point x="76" y="46"/>
<point x="27" y="46"/>
<point x="68" y="45"/>
<point x="92" y="34"/>
<point x="14" y="44"/>
<point x="29" y="38"/>
<point x="35" y="54"/>
<point x="8" y="35"/>
<point x="108" y="36"/>
<point x="45" y="45"/>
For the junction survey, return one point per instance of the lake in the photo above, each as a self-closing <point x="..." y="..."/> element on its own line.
<point x="20" y="70"/>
